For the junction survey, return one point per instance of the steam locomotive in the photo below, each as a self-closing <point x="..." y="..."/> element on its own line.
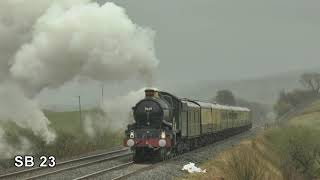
<point x="165" y="125"/>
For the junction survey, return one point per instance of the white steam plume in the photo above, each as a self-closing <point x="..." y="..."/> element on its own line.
<point x="17" y="18"/>
<point x="86" y="40"/>
<point x="117" y="113"/>
<point x="24" y="112"/>
<point x="8" y="150"/>
<point x="119" y="109"/>
<point x="46" y="43"/>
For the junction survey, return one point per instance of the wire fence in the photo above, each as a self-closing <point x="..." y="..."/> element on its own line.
<point x="65" y="107"/>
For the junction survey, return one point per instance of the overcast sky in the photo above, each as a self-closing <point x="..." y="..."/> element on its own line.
<point x="227" y="39"/>
<point x="230" y="39"/>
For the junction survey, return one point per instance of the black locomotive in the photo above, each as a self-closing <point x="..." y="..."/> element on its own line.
<point x="166" y="125"/>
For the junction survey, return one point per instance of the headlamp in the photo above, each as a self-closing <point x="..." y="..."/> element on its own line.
<point x="163" y="135"/>
<point x="131" y="134"/>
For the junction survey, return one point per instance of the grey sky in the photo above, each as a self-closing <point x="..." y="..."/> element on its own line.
<point x="225" y="39"/>
<point x="230" y="39"/>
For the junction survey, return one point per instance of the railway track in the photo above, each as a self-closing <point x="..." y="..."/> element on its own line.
<point x="130" y="169"/>
<point x="131" y="173"/>
<point x="94" y="174"/>
<point x="64" y="166"/>
<point x="117" y="171"/>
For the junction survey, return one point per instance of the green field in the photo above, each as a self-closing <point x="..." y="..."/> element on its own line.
<point x="309" y="118"/>
<point x="71" y="138"/>
<point x="65" y="122"/>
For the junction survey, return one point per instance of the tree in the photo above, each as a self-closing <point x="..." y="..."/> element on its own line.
<point x="259" y="111"/>
<point x="225" y="97"/>
<point x="301" y="150"/>
<point x="311" y="81"/>
<point x="282" y="105"/>
<point x="292" y="99"/>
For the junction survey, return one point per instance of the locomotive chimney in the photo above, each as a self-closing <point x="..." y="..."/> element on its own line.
<point x="151" y="92"/>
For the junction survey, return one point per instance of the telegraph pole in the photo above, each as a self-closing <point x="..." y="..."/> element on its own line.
<point x="80" y="111"/>
<point x="102" y="91"/>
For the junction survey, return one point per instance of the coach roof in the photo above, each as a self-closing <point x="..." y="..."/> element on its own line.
<point x="190" y="103"/>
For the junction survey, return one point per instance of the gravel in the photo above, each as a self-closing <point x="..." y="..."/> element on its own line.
<point x="120" y="172"/>
<point x="172" y="169"/>
<point x="71" y="174"/>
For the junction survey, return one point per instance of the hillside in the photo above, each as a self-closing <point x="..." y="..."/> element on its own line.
<point x="310" y="117"/>
<point x="264" y="89"/>
<point x="291" y="151"/>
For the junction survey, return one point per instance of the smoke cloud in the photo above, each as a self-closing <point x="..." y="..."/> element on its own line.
<point x="17" y="19"/>
<point x="8" y="150"/>
<point x="47" y="43"/>
<point x="24" y="112"/>
<point x="85" y="41"/>
<point x="119" y="109"/>
<point x="117" y="113"/>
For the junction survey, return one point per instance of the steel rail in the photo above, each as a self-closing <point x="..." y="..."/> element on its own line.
<point x="78" y="166"/>
<point x="104" y="171"/>
<point x="62" y="163"/>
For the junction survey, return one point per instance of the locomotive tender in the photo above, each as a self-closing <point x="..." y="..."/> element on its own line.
<point x="166" y="125"/>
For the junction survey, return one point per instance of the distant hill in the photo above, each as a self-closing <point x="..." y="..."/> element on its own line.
<point x="264" y="90"/>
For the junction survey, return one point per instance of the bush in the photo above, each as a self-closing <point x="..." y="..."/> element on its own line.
<point x="299" y="151"/>
<point x="244" y="164"/>
<point x="289" y="100"/>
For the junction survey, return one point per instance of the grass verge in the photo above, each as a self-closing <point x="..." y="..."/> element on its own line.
<point x="72" y="140"/>
<point x="289" y="152"/>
